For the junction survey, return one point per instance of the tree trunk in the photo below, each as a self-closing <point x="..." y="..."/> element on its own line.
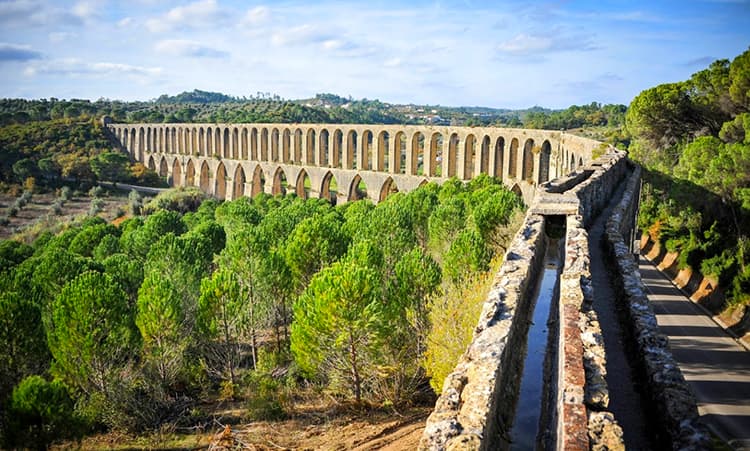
<point x="355" y="370"/>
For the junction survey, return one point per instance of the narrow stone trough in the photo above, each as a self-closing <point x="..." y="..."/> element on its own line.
<point x="531" y="426"/>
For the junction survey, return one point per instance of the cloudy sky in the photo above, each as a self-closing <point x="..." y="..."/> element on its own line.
<point x="511" y="54"/>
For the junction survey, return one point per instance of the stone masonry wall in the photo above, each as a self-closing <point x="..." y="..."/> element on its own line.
<point x="583" y="421"/>
<point x="667" y="388"/>
<point x="477" y="399"/>
<point x="466" y="414"/>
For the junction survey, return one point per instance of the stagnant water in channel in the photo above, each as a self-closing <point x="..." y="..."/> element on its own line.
<point x="525" y="431"/>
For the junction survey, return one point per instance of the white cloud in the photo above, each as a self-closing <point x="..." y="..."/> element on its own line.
<point x="125" y="22"/>
<point x="257" y="16"/>
<point x="525" y="44"/>
<point x="303" y="34"/>
<point x="393" y="62"/>
<point x="76" y="68"/>
<point x="15" y="52"/>
<point x="23" y="13"/>
<point x="181" y="47"/>
<point x="60" y="36"/>
<point x="200" y="14"/>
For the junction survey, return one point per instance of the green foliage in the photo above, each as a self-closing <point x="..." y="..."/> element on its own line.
<point x="90" y="333"/>
<point x="23" y="345"/>
<point x="161" y="322"/>
<point x="180" y="200"/>
<point x="12" y="253"/>
<point x="40" y="413"/>
<point x="315" y="243"/>
<point x="221" y="321"/>
<point x="339" y="327"/>
<point x="111" y="166"/>
<point x="693" y="137"/>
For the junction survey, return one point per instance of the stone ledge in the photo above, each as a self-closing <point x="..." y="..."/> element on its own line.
<point x="666" y="385"/>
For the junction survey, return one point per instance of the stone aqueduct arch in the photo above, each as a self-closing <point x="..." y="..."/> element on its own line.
<point x="232" y="160"/>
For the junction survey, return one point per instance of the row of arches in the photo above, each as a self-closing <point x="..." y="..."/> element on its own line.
<point x="429" y="153"/>
<point x="215" y="179"/>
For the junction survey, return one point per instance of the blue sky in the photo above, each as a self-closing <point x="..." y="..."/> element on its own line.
<point x="504" y="54"/>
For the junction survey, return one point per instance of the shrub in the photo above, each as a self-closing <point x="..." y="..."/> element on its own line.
<point x="4" y="221"/>
<point x="12" y="211"/>
<point x="96" y="206"/>
<point x="96" y="191"/>
<point x="39" y="413"/>
<point x="66" y="193"/>
<point x="57" y="207"/>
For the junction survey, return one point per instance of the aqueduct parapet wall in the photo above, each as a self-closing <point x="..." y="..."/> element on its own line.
<point x="318" y="160"/>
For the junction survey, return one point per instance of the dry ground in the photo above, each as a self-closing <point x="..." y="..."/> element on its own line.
<point x="39" y="210"/>
<point x="308" y="429"/>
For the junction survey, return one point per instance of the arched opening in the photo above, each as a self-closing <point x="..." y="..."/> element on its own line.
<point x="259" y="181"/>
<point x="275" y="145"/>
<point x="151" y="165"/>
<point x="254" y="144"/>
<point x="228" y="146"/>
<point x="358" y="189"/>
<point x="484" y="156"/>
<point x="580" y="161"/>
<point x="286" y="146"/>
<point x="190" y="174"/>
<point x="141" y="143"/>
<point x="264" y="144"/>
<point x="352" y="155"/>
<point x="238" y="188"/>
<point x="149" y="142"/>
<point x="243" y="145"/>
<point x="279" y="182"/>
<point x="572" y="163"/>
<point x="513" y="158"/>
<point x="338" y="138"/>
<point x="302" y="187"/>
<point x="452" y="154"/>
<point x="389" y="187"/>
<point x="323" y="148"/>
<point x="219" y="147"/>
<point x="382" y="152"/>
<point x="527" y="171"/>
<point x="417" y="154"/>
<point x="436" y="155"/>
<point x="163" y="169"/>
<point x="544" y="157"/>
<point x="163" y="144"/>
<point x="210" y="142"/>
<point x="399" y="149"/>
<point x="204" y="186"/>
<point x="470" y="153"/>
<point x="517" y="190"/>
<point x="499" y="156"/>
<point x="329" y="188"/>
<point x="367" y="150"/>
<point x="176" y="173"/>
<point x="235" y="144"/>
<point x="310" y="147"/>
<point x="221" y="182"/>
<point x="297" y="157"/>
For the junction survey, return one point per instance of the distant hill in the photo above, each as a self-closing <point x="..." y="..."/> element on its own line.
<point x="197" y="96"/>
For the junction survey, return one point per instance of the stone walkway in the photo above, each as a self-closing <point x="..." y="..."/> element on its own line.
<point x="715" y="365"/>
<point x="624" y="399"/>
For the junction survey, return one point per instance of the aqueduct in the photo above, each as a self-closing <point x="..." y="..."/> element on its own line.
<point x="567" y="181"/>
<point x="344" y="161"/>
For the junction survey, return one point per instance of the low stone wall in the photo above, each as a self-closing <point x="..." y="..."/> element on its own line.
<point x="666" y="387"/>
<point x="583" y="421"/>
<point x="476" y="403"/>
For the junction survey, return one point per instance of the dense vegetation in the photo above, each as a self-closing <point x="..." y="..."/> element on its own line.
<point x="130" y="326"/>
<point x="694" y="138"/>
<point x="202" y="106"/>
<point x="48" y="153"/>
